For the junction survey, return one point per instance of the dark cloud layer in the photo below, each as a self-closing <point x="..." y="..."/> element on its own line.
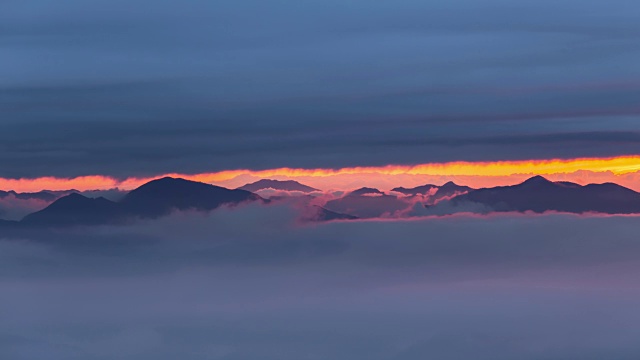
<point x="210" y="287"/>
<point x="143" y="87"/>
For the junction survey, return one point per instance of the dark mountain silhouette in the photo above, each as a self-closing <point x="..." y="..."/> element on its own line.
<point x="418" y="190"/>
<point x="151" y="200"/>
<point x="365" y="191"/>
<point x="450" y="189"/>
<point x="435" y="193"/>
<point x="75" y="209"/>
<point x="538" y="194"/>
<point x="160" y="197"/>
<point x="367" y="203"/>
<point x="288" y="185"/>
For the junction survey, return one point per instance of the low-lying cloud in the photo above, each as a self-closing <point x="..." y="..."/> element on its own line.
<point x="245" y="283"/>
<point x="13" y="208"/>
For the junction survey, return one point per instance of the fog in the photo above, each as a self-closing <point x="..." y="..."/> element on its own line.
<point x="253" y="283"/>
<point x="14" y="208"/>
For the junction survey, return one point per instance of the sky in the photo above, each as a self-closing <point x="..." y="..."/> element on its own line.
<point x="137" y="89"/>
<point x="337" y="94"/>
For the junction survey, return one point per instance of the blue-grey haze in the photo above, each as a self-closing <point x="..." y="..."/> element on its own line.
<point x="210" y="287"/>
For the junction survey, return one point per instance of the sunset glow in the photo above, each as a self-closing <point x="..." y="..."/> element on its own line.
<point x="623" y="170"/>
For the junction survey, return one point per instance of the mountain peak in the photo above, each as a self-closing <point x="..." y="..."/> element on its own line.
<point x="73" y="198"/>
<point x="286" y="185"/>
<point x="75" y="209"/>
<point x="167" y="180"/>
<point x="422" y="189"/>
<point x="154" y="199"/>
<point x="160" y="197"/>
<point x="365" y="190"/>
<point x="537" y="180"/>
<point x="449" y="184"/>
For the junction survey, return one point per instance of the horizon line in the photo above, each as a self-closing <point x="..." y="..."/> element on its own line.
<point x="624" y="170"/>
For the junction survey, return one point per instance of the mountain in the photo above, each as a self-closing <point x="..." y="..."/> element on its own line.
<point x="435" y="193"/>
<point x="367" y="203"/>
<point x="151" y="200"/>
<point x="75" y="209"/>
<point x="538" y="194"/>
<point x="159" y="197"/>
<point x="450" y="189"/>
<point x="287" y="185"/>
<point x="418" y="190"/>
<point x="366" y="191"/>
<point x="42" y="195"/>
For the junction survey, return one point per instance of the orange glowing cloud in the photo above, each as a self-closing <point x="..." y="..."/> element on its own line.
<point x="624" y="170"/>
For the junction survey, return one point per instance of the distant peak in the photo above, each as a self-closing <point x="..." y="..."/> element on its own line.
<point x="72" y="199"/>
<point x="537" y="180"/>
<point x="287" y="185"/>
<point x="365" y="190"/>
<point x="166" y="179"/>
<point x="266" y="181"/>
<point x="74" y="196"/>
<point x="450" y="184"/>
<point x="170" y="181"/>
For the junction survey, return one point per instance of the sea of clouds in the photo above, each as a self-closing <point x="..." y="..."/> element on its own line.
<point x="245" y="283"/>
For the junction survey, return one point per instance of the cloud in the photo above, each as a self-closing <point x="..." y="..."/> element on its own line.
<point x="90" y="90"/>
<point x="268" y="193"/>
<point x="245" y="283"/>
<point x="12" y="208"/>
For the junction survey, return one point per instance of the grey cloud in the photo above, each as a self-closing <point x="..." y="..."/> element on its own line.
<point x="202" y="86"/>
<point x="147" y="148"/>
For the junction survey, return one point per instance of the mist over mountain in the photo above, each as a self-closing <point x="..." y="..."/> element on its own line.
<point x="368" y="203"/>
<point x="435" y="193"/>
<point x="41" y="195"/>
<point x="161" y="197"/>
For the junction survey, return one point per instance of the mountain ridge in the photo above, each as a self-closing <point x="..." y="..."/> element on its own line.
<point x="151" y="200"/>
<point x="287" y="185"/>
<point x="538" y="194"/>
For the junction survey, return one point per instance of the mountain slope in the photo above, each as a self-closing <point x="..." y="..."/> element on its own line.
<point x="418" y="190"/>
<point x="42" y="195"/>
<point x="450" y="189"/>
<point x="367" y="203"/>
<point x="75" y="209"/>
<point x="151" y="200"/>
<point x="539" y="195"/>
<point x="160" y="197"/>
